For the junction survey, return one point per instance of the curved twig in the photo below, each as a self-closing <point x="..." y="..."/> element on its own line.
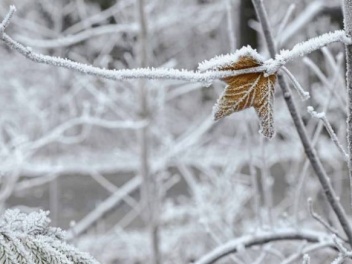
<point x="250" y="241"/>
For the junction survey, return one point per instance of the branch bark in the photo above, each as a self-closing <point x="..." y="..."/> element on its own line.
<point x="347" y="10"/>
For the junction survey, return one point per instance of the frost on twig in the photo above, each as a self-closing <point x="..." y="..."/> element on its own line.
<point x="7" y="20"/>
<point x="343" y="252"/>
<point x="303" y="94"/>
<point x="28" y="239"/>
<point x="306" y="47"/>
<point x="330" y="130"/>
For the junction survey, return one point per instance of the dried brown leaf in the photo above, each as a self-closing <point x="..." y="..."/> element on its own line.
<point x="248" y="90"/>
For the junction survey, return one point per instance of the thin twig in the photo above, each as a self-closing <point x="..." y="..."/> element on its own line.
<point x="343" y="252"/>
<point x="330" y="130"/>
<point x="321" y="220"/>
<point x="304" y="95"/>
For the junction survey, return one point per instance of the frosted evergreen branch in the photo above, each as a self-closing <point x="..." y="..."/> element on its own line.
<point x="28" y="239"/>
<point x="260" y="239"/>
<point x="307" y="144"/>
<point x="330" y="130"/>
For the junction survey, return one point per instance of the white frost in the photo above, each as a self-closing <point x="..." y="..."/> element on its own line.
<point x="222" y="61"/>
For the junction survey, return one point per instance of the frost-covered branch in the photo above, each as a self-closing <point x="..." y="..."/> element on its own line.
<point x="271" y="66"/>
<point x="303" y="94"/>
<point x="343" y="252"/>
<point x="307" y="145"/>
<point x="330" y="130"/>
<point x="304" y="48"/>
<point x="347" y="10"/>
<point x="260" y="239"/>
<point x="147" y="73"/>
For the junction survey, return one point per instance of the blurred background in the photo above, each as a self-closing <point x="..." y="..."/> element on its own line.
<point x="175" y="188"/>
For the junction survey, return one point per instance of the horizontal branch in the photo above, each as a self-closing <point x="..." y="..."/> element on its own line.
<point x="261" y="239"/>
<point x="142" y="73"/>
<point x="271" y="66"/>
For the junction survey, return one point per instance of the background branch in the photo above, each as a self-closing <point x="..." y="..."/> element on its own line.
<point x="307" y="145"/>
